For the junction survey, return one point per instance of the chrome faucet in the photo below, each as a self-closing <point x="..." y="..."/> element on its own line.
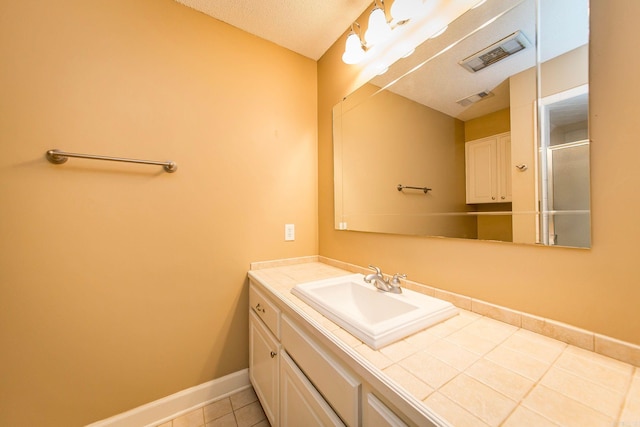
<point x="383" y="284"/>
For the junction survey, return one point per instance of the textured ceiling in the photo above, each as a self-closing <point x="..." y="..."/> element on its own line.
<point x="438" y="81"/>
<point x="308" y="27"/>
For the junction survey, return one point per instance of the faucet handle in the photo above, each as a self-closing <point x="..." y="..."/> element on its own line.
<point x="396" y="278"/>
<point x="376" y="269"/>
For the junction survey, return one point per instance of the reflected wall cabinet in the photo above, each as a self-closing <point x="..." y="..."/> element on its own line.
<point x="488" y="171"/>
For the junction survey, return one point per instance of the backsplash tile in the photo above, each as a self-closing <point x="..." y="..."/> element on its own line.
<point x="502" y="314"/>
<point x="458" y="300"/>
<point x="260" y="265"/>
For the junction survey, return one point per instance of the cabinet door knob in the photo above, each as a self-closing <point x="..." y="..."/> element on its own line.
<point x="259" y="308"/>
<point x="502" y="197"/>
<point x="273" y="354"/>
<point x="493" y="198"/>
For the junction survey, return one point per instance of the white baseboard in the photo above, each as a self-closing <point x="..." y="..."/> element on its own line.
<point x="179" y="403"/>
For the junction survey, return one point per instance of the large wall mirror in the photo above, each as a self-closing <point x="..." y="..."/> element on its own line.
<point x="482" y="133"/>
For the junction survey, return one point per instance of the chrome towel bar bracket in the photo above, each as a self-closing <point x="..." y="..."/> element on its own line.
<point x="58" y="157"/>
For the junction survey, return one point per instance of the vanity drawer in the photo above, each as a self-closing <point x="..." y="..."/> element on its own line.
<point x="269" y="313"/>
<point x="334" y="382"/>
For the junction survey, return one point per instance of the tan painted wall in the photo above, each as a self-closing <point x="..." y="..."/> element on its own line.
<point x="596" y="289"/>
<point x="121" y="284"/>
<point x="487" y="125"/>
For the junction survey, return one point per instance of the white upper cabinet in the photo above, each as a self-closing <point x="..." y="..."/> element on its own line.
<point x="488" y="169"/>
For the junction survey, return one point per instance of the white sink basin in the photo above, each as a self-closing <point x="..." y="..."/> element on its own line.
<point x="377" y="318"/>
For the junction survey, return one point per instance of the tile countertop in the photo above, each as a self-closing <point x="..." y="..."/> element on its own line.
<point x="476" y="371"/>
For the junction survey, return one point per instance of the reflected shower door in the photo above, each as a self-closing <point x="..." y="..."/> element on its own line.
<point x="564" y="165"/>
<point x="569" y="201"/>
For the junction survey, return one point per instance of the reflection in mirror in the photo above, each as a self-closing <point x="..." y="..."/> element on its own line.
<point x="493" y="124"/>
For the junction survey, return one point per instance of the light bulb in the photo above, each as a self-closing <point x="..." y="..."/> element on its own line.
<point x="378" y="28"/>
<point x="353" y="51"/>
<point x="439" y="32"/>
<point x="403" y="10"/>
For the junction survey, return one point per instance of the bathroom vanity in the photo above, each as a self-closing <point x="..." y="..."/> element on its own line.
<point x="470" y="369"/>
<point x="305" y="373"/>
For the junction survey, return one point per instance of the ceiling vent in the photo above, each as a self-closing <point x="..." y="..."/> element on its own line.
<point x="498" y="51"/>
<point x="475" y="98"/>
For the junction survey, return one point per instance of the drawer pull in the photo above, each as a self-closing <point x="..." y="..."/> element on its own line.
<point x="259" y="308"/>
<point x="273" y="354"/>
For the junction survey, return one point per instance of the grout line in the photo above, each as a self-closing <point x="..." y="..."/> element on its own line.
<point x="535" y="384"/>
<point x="626" y="395"/>
<point x="235" y="418"/>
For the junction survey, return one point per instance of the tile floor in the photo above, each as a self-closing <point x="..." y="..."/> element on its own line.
<point x="238" y="410"/>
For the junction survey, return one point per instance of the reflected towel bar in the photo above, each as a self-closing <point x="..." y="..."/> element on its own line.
<point x="58" y="157"/>
<point x="400" y="187"/>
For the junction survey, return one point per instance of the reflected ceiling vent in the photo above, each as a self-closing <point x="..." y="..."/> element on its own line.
<point x="475" y="98"/>
<point x="498" y="51"/>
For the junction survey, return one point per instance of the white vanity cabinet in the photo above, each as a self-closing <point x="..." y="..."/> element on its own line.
<point x="264" y="367"/>
<point x="264" y="353"/>
<point x="488" y="169"/>
<point x="377" y="414"/>
<point x="302" y="381"/>
<point x="336" y="383"/>
<point x="286" y="394"/>
<point x="300" y="402"/>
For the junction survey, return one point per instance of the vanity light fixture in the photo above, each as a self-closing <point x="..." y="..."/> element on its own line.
<point x="403" y="10"/>
<point x="409" y="53"/>
<point x="381" y="69"/>
<point x="353" y="50"/>
<point x="439" y="32"/>
<point x="378" y="29"/>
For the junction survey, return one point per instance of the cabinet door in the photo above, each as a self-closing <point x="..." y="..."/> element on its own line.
<point x="264" y="367"/>
<point x="481" y="170"/>
<point x="300" y="402"/>
<point x="504" y="168"/>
